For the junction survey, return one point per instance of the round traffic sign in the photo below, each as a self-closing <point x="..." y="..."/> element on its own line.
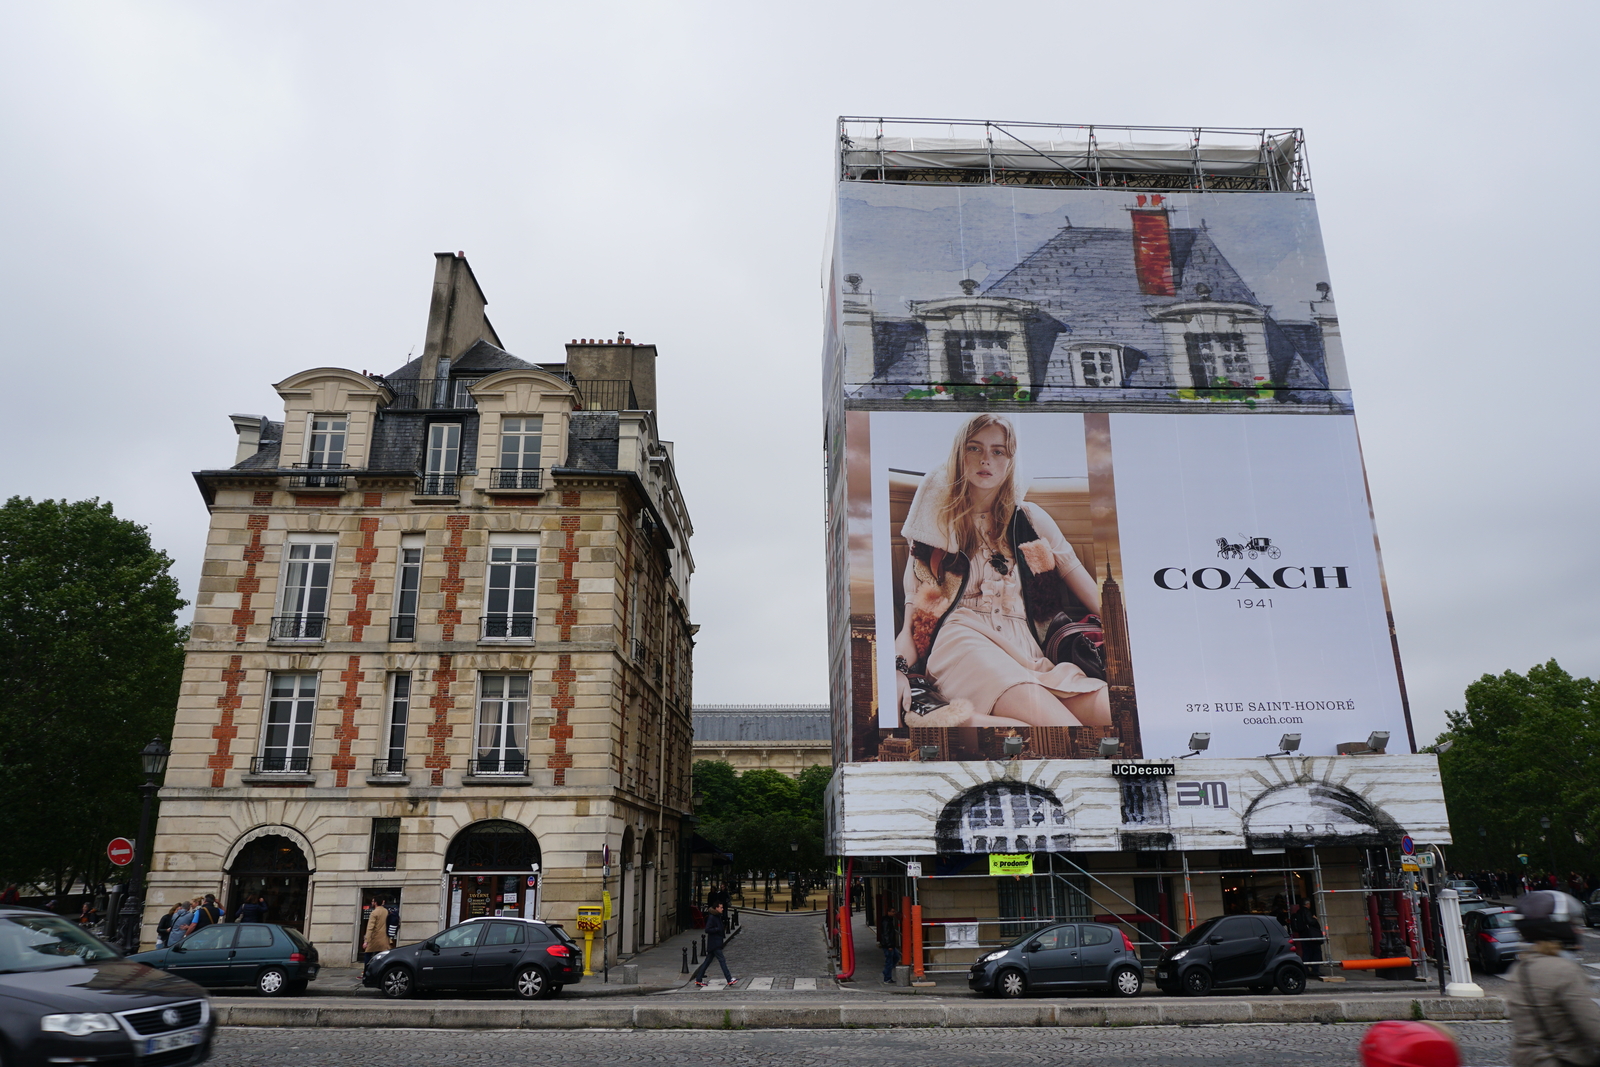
<point x="120" y="851"/>
<point x="1407" y="846"/>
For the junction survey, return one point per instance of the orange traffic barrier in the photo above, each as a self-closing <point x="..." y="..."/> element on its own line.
<point x="1374" y="965"/>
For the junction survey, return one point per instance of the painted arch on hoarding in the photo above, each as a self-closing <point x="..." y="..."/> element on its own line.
<point x="1004" y="816"/>
<point x="1317" y="813"/>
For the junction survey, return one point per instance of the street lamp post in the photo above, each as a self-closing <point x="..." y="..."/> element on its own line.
<point x="154" y="759"/>
<point x="1544" y="823"/>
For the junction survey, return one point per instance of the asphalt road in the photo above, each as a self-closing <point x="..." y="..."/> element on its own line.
<point x="1265" y="1045"/>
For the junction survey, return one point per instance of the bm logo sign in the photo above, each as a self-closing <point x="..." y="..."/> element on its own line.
<point x="1202" y="794"/>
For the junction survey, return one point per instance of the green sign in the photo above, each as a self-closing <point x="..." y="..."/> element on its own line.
<point x="1523" y="856"/>
<point x="1001" y="863"/>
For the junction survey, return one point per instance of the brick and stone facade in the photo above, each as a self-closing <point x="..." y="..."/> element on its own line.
<point x="427" y="724"/>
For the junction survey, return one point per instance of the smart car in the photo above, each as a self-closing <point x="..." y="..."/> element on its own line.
<point x="533" y="958"/>
<point x="1062" y="956"/>
<point x="68" y="997"/>
<point x="1232" y="950"/>
<point x="277" y="960"/>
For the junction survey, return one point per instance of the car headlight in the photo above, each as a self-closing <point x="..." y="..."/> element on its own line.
<point x="1178" y="955"/>
<point x="380" y="955"/>
<point x="77" y="1024"/>
<point x="991" y="957"/>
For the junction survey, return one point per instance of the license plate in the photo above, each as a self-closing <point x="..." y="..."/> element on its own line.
<point x="168" y="1042"/>
<point x="1161" y="974"/>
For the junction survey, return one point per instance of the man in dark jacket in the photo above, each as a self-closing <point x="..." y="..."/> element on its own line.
<point x="716" y="931"/>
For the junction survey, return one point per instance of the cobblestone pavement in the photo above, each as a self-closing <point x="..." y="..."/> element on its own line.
<point x="1266" y="1045"/>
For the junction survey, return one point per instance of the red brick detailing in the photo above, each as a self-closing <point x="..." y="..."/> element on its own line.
<point x="249" y="585"/>
<point x="561" y="731"/>
<point x="372" y="500"/>
<point x="360" y="616"/>
<point x="347" y="730"/>
<point x="225" y="731"/>
<point x="439" y="729"/>
<point x="318" y="500"/>
<point x="263" y="498"/>
<point x="567" y="585"/>
<point x="516" y="501"/>
<point x="452" y="585"/>
<point x="571" y="500"/>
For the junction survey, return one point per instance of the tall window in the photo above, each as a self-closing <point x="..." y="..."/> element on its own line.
<point x="1219" y="359"/>
<point x="407" y="587"/>
<point x="286" y="740"/>
<point x="519" y="453"/>
<point x="443" y="460"/>
<point x="394" y="761"/>
<point x="513" y="580"/>
<point x="325" y="450"/>
<point x="974" y="354"/>
<point x="307" y="574"/>
<point x="385" y="852"/>
<point x="502" y="724"/>
<point x="1097" y="368"/>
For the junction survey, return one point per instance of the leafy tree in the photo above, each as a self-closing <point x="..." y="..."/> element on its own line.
<point x="1525" y="747"/>
<point x="718" y="783"/>
<point x="92" y="655"/>
<point x="758" y="815"/>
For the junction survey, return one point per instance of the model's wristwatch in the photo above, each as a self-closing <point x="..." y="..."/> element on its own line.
<point x="901" y="665"/>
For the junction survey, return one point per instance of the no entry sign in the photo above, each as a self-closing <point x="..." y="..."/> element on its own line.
<point x="120" y="851"/>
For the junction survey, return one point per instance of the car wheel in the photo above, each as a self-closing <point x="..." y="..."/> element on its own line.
<point x="397" y="983"/>
<point x="272" y="982"/>
<point x="1291" y="980"/>
<point x="1196" y="982"/>
<point x="532" y="984"/>
<point x="1010" y="983"/>
<point x="1126" y="982"/>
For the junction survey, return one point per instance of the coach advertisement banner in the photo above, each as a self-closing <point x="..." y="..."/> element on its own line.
<point x="1111" y="299"/>
<point x="1031" y="583"/>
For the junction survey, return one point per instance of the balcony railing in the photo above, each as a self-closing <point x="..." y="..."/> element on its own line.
<point x="281" y="765"/>
<point x="600" y="394"/>
<point x="388" y="768"/>
<point x="306" y="476"/>
<point x="638" y="651"/>
<point x="508" y="627"/>
<point x="299" y="627"/>
<point x="497" y="764"/>
<point x="402" y="628"/>
<point x="515" y="478"/>
<point x="439" y="485"/>
<point x="432" y="394"/>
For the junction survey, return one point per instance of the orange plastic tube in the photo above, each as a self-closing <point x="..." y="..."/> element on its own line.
<point x="1376" y="965"/>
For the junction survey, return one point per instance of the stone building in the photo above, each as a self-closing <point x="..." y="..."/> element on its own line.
<point x="780" y="737"/>
<point x="442" y="647"/>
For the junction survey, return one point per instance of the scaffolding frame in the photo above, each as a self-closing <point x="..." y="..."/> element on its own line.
<point x="1207" y="159"/>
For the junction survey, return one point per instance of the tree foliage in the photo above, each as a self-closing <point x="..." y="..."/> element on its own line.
<point x="1525" y="747"/>
<point x="758" y="815"/>
<point x="92" y="656"/>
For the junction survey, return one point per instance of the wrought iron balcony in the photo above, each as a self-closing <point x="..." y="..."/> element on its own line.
<point x="299" y="627"/>
<point x="284" y="764"/>
<point x="439" y="485"/>
<point x="432" y="394"/>
<point x="515" y="478"/>
<point x="508" y="627"/>
<point x="638" y="651"/>
<point x="497" y="764"/>
<point x="389" y="768"/>
<point x="600" y="394"/>
<point x="306" y="475"/>
<point x="402" y="627"/>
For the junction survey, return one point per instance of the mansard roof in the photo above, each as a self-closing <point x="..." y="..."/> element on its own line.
<point x="482" y="358"/>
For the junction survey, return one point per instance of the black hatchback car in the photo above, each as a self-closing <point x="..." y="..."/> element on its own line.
<point x="1591" y="909"/>
<point x="1063" y="956"/>
<point x="533" y="958"/>
<point x="277" y="960"/>
<point x="1232" y="950"/>
<point x="68" y="997"/>
<point x="1493" y="940"/>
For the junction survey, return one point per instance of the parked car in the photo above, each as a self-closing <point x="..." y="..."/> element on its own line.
<point x="1493" y="940"/>
<point x="1464" y="887"/>
<point x="1591" y="909"/>
<point x="68" y="997"/>
<point x="1062" y="956"/>
<point x="1232" y="950"/>
<point x="277" y="960"/>
<point x="533" y="958"/>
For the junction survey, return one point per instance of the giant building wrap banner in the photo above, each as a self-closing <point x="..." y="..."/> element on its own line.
<point x="1095" y="474"/>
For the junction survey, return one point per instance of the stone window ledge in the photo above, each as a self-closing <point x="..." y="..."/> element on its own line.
<point x="389" y="779"/>
<point x="279" y="779"/>
<point x="496" y="779"/>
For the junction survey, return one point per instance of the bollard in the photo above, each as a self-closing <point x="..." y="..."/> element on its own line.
<point x="685" y="969"/>
<point x="702" y="944"/>
<point x="694" y="957"/>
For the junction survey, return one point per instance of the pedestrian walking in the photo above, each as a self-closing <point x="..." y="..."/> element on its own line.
<point x="196" y="916"/>
<point x="253" y="910"/>
<point x="1553" y="1021"/>
<point x="377" y="938"/>
<point x="164" y="927"/>
<point x="715" y="935"/>
<point x="889" y="938"/>
<point x="1307" y="931"/>
<point x="10" y="896"/>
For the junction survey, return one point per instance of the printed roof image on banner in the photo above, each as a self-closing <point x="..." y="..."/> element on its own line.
<point x="1106" y="297"/>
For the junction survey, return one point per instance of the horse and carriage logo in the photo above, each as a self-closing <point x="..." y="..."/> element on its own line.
<point x="1253" y="547"/>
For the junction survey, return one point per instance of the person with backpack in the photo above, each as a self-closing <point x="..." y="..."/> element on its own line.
<point x="716" y="931"/>
<point x="1554" y="1023"/>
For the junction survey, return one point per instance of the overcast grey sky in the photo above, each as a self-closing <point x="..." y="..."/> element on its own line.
<point x="201" y="198"/>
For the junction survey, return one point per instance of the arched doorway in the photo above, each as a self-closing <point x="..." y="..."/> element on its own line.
<point x="1004" y="817"/>
<point x="275" y="867"/>
<point x="650" y="899"/>
<point x="494" y="870"/>
<point x="628" y="906"/>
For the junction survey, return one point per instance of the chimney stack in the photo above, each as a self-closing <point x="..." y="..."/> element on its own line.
<point x="1152" y="247"/>
<point x="456" y="319"/>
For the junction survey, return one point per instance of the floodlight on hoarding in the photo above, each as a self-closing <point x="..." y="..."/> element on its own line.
<point x="1443" y="746"/>
<point x="1378" y="740"/>
<point x="1198" y="743"/>
<point x="1286" y="744"/>
<point x="1109" y="746"/>
<point x="929" y="753"/>
<point x="1012" y="747"/>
